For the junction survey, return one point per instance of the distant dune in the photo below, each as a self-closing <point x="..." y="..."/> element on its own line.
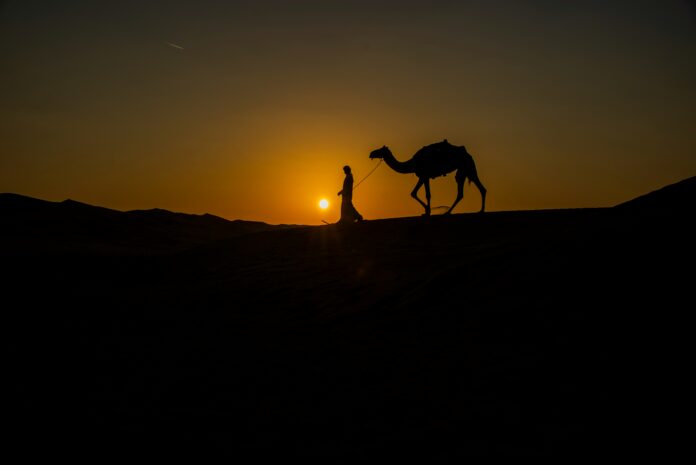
<point x="675" y="197"/>
<point x="505" y="333"/>
<point x="37" y="226"/>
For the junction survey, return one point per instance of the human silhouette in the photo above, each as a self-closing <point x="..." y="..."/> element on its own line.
<point x="348" y="212"/>
<point x="432" y="161"/>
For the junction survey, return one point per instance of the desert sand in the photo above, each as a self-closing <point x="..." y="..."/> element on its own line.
<point x="526" y="332"/>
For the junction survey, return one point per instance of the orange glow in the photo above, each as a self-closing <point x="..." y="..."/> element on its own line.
<point x="248" y="116"/>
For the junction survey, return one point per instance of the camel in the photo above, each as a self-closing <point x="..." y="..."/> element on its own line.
<point x="432" y="161"/>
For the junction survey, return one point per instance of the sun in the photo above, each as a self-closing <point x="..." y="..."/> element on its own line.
<point x="323" y="204"/>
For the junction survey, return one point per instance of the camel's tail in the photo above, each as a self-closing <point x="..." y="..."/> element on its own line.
<point x="473" y="177"/>
<point x="473" y="174"/>
<point x="469" y="166"/>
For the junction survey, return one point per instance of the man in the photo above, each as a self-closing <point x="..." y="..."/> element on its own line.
<point x="348" y="212"/>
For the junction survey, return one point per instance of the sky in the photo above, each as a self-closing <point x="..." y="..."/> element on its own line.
<point x="250" y="109"/>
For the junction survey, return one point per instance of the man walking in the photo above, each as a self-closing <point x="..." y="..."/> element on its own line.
<point x="348" y="212"/>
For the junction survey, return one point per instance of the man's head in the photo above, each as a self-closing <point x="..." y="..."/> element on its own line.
<point x="346" y="169"/>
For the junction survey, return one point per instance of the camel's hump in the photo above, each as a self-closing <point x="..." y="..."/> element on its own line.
<point x="443" y="147"/>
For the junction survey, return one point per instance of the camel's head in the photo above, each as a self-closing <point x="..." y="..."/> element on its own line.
<point x="380" y="153"/>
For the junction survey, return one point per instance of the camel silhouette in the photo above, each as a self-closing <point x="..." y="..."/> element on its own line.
<point x="432" y="161"/>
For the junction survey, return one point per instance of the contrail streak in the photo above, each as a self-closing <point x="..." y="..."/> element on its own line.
<point x="174" y="45"/>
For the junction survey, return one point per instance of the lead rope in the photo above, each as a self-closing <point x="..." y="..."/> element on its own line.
<point x="369" y="174"/>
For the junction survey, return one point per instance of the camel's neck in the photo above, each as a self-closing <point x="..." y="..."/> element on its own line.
<point x="398" y="166"/>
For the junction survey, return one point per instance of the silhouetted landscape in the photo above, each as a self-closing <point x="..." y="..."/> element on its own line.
<point x="521" y="332"/>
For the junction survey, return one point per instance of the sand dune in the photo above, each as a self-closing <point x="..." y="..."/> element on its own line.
<point x="531" y="332"/>
<point x="32" y="226"/>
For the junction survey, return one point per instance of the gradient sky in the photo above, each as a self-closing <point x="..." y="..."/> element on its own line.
<point x="249" y="109"/>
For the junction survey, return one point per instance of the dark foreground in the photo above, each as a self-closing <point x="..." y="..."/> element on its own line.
<point x="532" y="332"/>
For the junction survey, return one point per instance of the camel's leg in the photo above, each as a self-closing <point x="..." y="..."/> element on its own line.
<point x="427" y="194"/>
<point x="414" y="194"/>
<point x="460" y="177"/>
<point x="477" y="182"/>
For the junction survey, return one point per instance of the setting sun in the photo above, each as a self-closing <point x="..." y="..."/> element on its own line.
<point x="323" y="204"/>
